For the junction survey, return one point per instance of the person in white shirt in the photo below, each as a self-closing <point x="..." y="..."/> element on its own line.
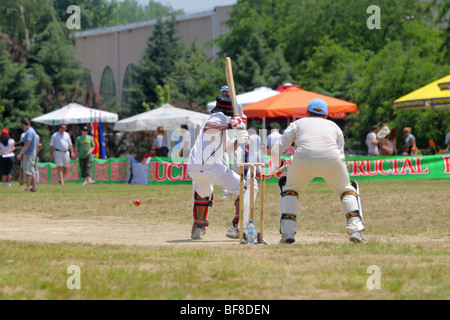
<point x="6" y="157"/>
<point x="160" y="143"/>
<point x="207" y="168"/>
<point x="254" y="149"/>
<point x="319" y="153"/>
<point x="372" y="141"/>
<point x="186" y="142"/>
<point x="60" y="145"/>
<point x="273" y="138"/>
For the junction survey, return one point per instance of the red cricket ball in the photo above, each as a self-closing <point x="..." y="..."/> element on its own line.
<point x="137" y="202"/>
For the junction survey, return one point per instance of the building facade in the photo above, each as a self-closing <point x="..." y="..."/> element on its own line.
<point x="109" y="53"/>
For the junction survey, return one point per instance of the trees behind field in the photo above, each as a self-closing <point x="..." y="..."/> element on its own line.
<point x="323" y="46"/>
<point x="330" y="50"/>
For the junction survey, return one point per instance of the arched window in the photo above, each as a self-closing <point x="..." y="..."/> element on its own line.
<point x="128" y="86"/>
<point x="86" y="81"/>
<point x="108" y="85"/>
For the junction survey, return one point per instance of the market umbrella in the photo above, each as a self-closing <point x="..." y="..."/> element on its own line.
<point x="166" y="116"/>
<point x="293" y="102"/>
<point x="435" y="95"/>
<point x="250" y="97"/>
<point x="74" y="113"/>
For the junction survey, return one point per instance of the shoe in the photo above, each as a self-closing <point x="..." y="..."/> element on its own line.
<point x="357" y="237"/>
<point x="287" y="238"/>
<point x="3" y="184"/>
<point x="9" y="184"/>
<point x="33" y="190"/>
<point x="84" y="183"/>
<point x="197" y="232"/>
<point x="91" y="181"/>
<point x="232" y="232"/>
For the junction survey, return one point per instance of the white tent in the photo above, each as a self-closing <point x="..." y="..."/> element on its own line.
<point x="166" y="116"/>
<point x="74" y="113"/>
<point x="250" y="97"/>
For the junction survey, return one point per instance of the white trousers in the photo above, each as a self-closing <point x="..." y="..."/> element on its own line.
<point x="205" y="177"/>
<point x="334" y="171"/>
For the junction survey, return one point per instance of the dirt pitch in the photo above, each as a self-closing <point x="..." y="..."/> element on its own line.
<point x="119" y="231"/>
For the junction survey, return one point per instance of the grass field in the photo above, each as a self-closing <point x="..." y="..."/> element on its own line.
<point x="128" y="252"/>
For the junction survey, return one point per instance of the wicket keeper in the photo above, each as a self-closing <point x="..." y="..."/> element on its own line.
<point x="319" y="153"/>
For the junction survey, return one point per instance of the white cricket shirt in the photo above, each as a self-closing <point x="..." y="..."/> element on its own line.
<point x="314" y="137"/>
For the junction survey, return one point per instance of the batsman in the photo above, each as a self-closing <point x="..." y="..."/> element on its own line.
<point x="222" y="133"/>
<point x="319" y="153"/>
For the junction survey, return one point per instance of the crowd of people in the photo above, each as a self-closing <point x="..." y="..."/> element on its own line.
<point x="61" y="152"/>
<point x="381" y="141"/>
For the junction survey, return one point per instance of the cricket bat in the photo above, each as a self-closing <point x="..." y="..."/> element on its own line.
<point x="230" y="83"/>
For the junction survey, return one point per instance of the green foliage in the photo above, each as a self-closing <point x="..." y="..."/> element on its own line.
<point x="104" y="13"/>
<point x="54" y="65"/>
<point x="329" y="49"/>
<point x="163" y="50"/>
<point x="16" y="92"/>
<point x="322" y="45"/>
<point x="163" y="94"/>
<point x="195" y="80"/>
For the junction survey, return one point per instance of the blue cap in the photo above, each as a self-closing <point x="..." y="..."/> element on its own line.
<point x="224" y="88"/>
<point x="318" y="106"/>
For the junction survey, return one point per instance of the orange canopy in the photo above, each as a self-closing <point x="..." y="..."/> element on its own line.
<point x="293" y="102"/>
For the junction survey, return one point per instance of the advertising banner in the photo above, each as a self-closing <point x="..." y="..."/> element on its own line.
<point x="113" y="170"/>
<point x="162" y="170"/>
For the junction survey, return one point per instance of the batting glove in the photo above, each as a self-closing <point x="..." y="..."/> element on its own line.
<point x="239" y="123"/>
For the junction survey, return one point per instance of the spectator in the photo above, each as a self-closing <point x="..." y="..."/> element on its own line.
<point x="383" y="148"/>
<point x="254" y="148"/>
<point x="160" y="143"/>
<point x="433" y="148"/>
<point x="6" y="157"/>
<point x="38" y="149"/>
<point x="60" y="145"/>
<point x="372" y="142"/>
<point x="447" y="141"/>
<point x="28" y="155"/>
<point x="273" y="138"/>
<point x="409" y="147"/>
<point x="84" y="147"/>
<point x="186" y="142"/>
<point x="391" y="140"/>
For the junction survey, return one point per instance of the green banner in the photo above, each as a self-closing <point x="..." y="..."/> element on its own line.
<point x="164" y="171"/>
<point x="364" y="168"/>
<point x="393" y="168"/>
<point x="113" y="170"/>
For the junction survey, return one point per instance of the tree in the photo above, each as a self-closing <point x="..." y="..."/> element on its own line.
<point x="17" y="94"/>
<point x="158" y="61"/>
<point x="195" y="80"/>
<point x="94" y="13"/>
<point x="54" y="66"/>
<point x="19" y="20"/>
